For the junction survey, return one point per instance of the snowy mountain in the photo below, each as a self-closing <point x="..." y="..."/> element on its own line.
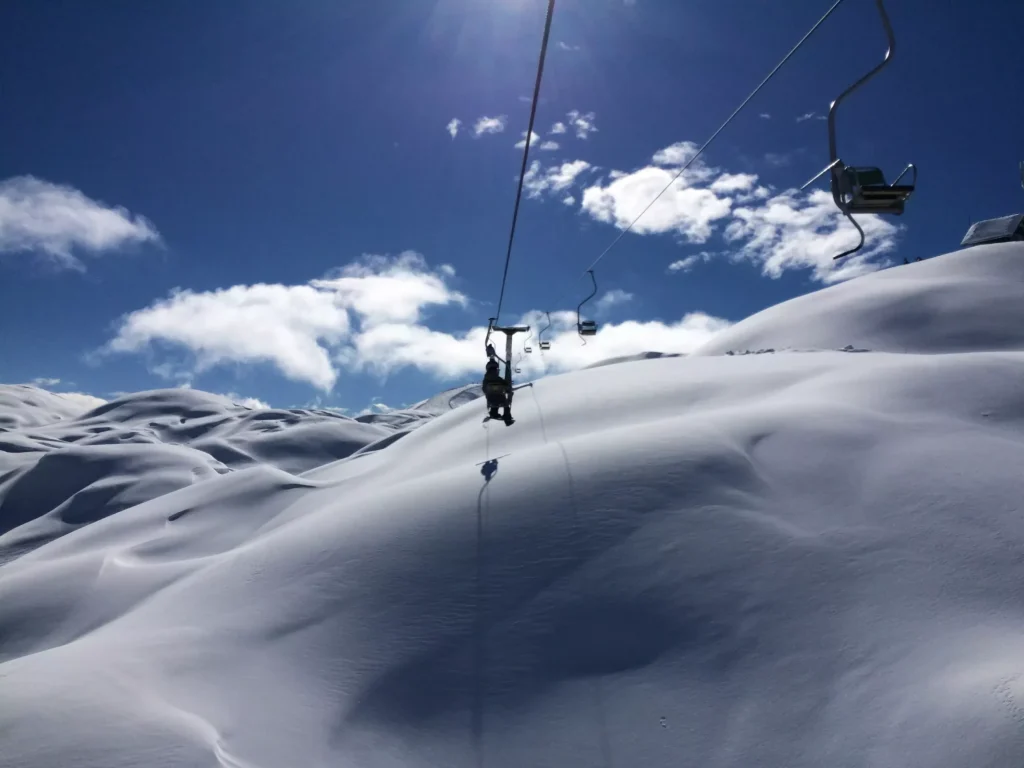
<point x="803" y="558"/>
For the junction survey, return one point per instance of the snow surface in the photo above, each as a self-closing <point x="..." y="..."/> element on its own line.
<point x="788" y="559"/>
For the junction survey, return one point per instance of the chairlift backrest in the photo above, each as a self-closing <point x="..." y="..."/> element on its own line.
<point x="864" y="177"/>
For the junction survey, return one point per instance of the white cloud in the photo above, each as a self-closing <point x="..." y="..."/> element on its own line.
<point x="765" y="116"/>
<point x="617" y="339"/>
<point x="558" y="128"/>
<point x="685" y="265"/>
<point x="309" y="332"/>
<point x="489" y="125"/>
<point x="44" y="382"/>
<point x="296" y="328"/>
<point x="52" y="219"/>
<point x="561" y="177"/>
<point x="557" y="178"/>
<point x="582" y="124"/>
<point x="686" y="210"/>
<point x="450" y="356"/>
<point x="534" y="138"/>
<point x="777" y="231"/>
<point x="375" y="406"/>
<point x="389" y="347"/>
<point x="613" y="298"/>
<point x="248" y="402"/>
<point x="679" y="154"/>
<point x="566" y="47"/>
<point x="381" y="290"/>
<point x="777" y="159"/>
<point x="810" y="116"/>
<point x="83" y="399"/>
<point x="676" y="154"/>
<point x="548" y="146"/>
<point x="453" y="127"/>
<point x="791" y="231"/>
<point x="734" y="182"/>
<point x="569" y="200"/>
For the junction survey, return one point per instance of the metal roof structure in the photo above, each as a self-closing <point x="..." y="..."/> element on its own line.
<point x="1000" y="230"/>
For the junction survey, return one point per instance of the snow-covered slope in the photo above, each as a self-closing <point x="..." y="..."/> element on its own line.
<point x="775" y="560"/>
<point x="61" y="467"/>
<point x="962" y="301"/>
<point x="23" y="405"/>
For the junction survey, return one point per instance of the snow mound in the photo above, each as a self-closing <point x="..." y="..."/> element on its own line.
<point x="61" y="468"/>
<point x="965" y="300"/>
<point x="449" y="399"/>
<point x="633" y="358"/>
<point x="22" y="406"/>
<point x="771" y="560"/>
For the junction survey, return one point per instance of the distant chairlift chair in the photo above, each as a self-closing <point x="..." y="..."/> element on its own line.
<point x="544" y="345"/>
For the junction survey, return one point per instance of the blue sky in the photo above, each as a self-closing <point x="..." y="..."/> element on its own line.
<point x="267" y="198"/>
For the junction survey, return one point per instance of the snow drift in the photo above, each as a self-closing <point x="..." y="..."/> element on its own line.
<point x="775" y="560"/>
<point x="965" y="301"/>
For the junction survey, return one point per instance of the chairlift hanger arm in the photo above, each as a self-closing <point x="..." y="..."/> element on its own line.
<point x="593" y="293"/>
<point x="891" y="37"/>
<point x="859" y="245"/>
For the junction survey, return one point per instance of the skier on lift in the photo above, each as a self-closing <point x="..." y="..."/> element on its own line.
<point x="497" y="389"/>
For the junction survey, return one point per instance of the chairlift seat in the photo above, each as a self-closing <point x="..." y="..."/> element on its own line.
<point x="545" y="345"/>
<point x="587" y="328"/>
<point x="866" y="191"/>
<point x="527" y="350"/>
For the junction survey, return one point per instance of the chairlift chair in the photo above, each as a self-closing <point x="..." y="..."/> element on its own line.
<point x="544" y="345"/>
<point x="586" y="327"/>
<point x="863" y="189"/>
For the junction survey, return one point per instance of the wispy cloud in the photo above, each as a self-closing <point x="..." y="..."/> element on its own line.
<point x="556" y="179"/>
<point x="44" y="382"/>
<point x="790" y="231"/>
<point x="582" y="124"/>
<point x="765" y="116"/>
<point x="55" y="220"/>
<point x="534" y="138"/>
<point x="489" y="125"/>
<point x="734" y="182"/>
<point x="568" y="200"/>
<point x="810" y="116"/>
<point x="549" y="146"/>
<point x="613" y="298"/>
<point x="453" y="127"/>
<point x="558" y="128"/>
<point x="564" y="46"/>
<point x="777" y="159"/>
<point x="688" y="263"/>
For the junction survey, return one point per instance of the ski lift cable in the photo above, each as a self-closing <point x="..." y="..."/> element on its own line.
<point x="714" y="136"/>
<point x="526" y="151"/>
